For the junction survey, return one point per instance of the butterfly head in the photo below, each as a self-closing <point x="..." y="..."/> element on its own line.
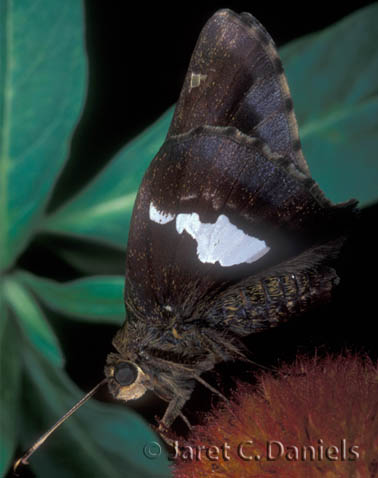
<point x="126" y="380"/>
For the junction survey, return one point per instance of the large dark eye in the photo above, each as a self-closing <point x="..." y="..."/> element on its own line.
<point x="125" y="373"/>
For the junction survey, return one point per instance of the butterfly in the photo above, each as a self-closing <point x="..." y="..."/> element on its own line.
<point x="230" y="235"/>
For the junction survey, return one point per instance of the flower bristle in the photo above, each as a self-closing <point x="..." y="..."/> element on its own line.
<point x="325" y="403"/>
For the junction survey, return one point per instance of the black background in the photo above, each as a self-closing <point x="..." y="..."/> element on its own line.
<point x="138" y="55"/>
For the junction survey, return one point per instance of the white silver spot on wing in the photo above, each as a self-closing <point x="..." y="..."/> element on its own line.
<point x="188" y="197"/>
<point x="222" y="241"/>
<point x="195" y="80"/>
<point x="160" y="217"/>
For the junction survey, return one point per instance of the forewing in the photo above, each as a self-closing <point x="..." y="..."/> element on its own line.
<point x="235" y="78"/>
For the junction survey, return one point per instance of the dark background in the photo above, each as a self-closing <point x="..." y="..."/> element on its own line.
<point x="138" y="56"/>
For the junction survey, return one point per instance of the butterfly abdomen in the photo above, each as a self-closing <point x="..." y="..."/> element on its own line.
<point x="267" y="300"/>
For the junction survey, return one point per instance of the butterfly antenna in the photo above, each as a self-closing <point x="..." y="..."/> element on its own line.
<point x="24" y="459"/>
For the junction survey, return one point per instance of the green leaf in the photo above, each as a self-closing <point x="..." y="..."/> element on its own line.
<point x="98" y="441"/>
<point x="94" y="299"/>
<point x="102" y="211"/>
<point x="10" y="385"/>
<point x="42" y="79"/>
<point x="333" y="77"/>
<point x="32" y="321"/>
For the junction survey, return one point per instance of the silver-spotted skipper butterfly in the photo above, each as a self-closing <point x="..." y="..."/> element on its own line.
<point x="230" y="235"/>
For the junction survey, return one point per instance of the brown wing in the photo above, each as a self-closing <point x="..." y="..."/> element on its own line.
<point x="238" y="195"/>
<point x="229" y="193"/>
<point x="235" y="78"/>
